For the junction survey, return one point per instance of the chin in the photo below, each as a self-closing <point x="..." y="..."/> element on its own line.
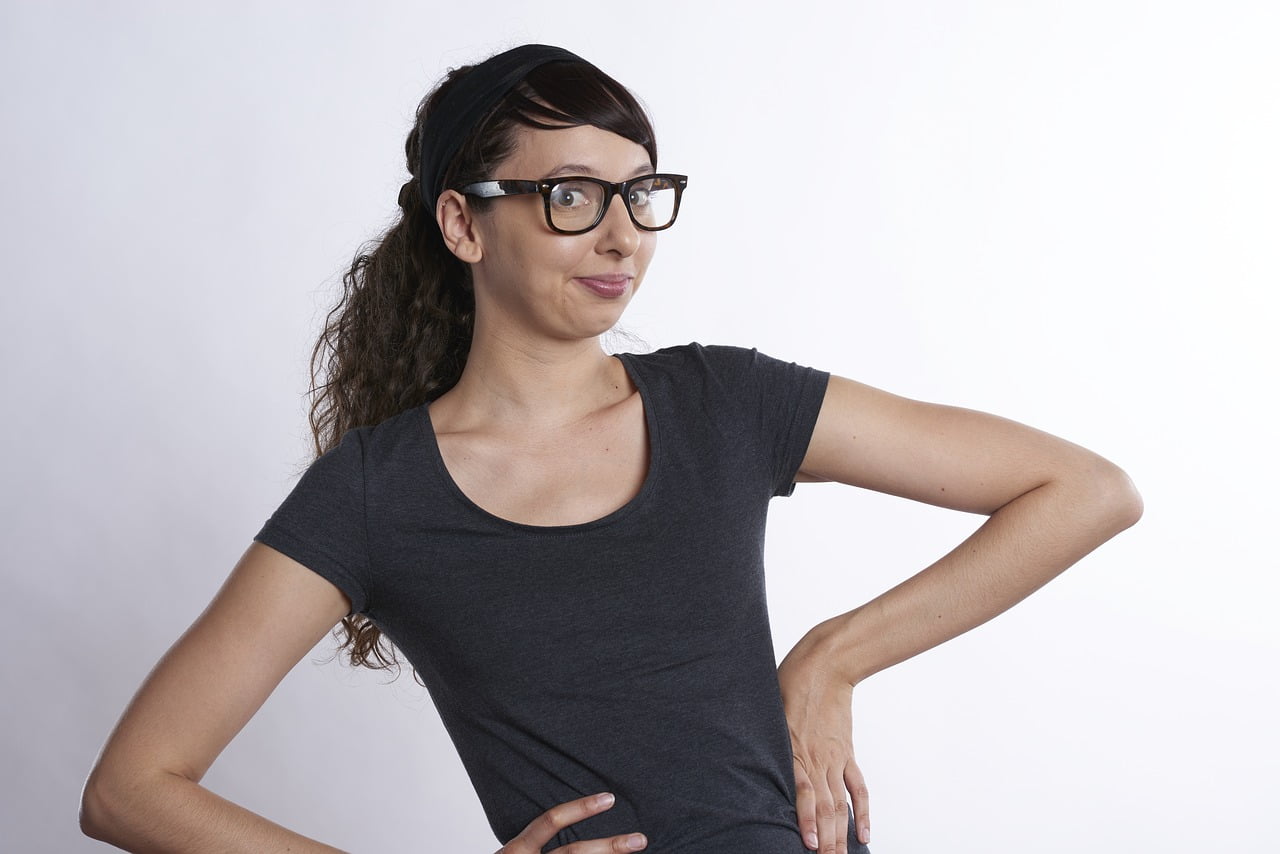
<point x="594" y="327"/>
<point x="606" y="317"/>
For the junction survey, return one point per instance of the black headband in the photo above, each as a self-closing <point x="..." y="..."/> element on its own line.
<point x="467" y="102"/>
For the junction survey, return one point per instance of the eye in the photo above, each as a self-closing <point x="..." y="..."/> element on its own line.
<point x="639" y="197"/>
<point x="571" y="195"/>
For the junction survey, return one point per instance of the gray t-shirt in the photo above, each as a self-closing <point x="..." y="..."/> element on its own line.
<point x="630" y="654"/>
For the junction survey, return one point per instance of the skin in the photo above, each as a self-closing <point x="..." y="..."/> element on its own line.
<point x="1048" y="503"/>
<point x="537" y="381"/>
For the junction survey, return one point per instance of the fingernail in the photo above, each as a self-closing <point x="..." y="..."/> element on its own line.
<point x="812" y="841"/>
<point x="865" y="835"/>
<point x="604" y="800"/>
<point x="636" y="841"/>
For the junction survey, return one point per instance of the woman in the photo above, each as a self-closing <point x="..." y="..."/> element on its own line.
<point x="567" y="545"/>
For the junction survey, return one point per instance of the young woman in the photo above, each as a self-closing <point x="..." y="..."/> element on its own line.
<point x="567" y="545"/>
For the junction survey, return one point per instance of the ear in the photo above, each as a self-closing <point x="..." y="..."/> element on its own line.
<point x="457" y="226"/>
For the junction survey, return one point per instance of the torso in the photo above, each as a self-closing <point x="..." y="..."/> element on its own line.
<point x="626" y="651"/>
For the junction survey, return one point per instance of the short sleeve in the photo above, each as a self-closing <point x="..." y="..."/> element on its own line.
<point x="321" y="524"/>
<point x="782" y="401"/>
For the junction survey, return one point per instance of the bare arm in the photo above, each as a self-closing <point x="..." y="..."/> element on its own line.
<point x="144" y="792"/>
<point x="1049" y="503"/>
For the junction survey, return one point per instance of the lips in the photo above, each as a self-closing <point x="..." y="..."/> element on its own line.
<point x="607" y="285"/>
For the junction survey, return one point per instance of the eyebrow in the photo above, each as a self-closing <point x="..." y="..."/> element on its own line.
<point x="582" y="169"/>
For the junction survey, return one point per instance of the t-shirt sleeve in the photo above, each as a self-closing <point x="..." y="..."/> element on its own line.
<point x="321" y="524"/>
<point x="782" y="401"/>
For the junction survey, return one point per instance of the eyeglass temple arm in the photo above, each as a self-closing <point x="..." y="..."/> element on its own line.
<point x="492" y="189"/>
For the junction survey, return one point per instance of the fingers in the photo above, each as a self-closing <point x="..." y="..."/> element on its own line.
<point x="836" y="809"/>
<point x="543" y="829"/>
<point x="822" y="811"/>
<point x="626" y="844"/>
<point x="617" y="845"/>
<point x="861" y="802"/>
<point x="806" y="808"/>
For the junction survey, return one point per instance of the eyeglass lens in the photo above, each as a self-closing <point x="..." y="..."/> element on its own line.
<point x="576" y="205"/>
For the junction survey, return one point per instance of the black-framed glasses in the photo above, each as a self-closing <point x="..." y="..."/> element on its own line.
<point x="576" y="204"/>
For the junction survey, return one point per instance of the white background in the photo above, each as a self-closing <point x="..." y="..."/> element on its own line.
<point x="1066" y="213"/>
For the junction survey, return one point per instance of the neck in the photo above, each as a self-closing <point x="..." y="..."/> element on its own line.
<point x="535" y="384"/>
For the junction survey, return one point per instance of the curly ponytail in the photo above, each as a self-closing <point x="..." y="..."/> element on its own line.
<point x="401" y="332"/>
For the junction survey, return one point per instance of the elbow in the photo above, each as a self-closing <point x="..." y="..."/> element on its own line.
<point x="1118" y="502"/>
<point x="133" y="806"/>
<point x="107" y="810"/>
<point x="95" y="809"/>
<point x="1133" y="504"/>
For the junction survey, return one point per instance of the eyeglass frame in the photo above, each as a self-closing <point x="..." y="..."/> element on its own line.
<point x="511" y="187"/>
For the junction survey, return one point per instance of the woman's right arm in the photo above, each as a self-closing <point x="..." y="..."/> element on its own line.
<point x="144" y="792"/>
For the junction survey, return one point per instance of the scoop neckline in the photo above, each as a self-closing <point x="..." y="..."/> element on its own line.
<point x="651" y="425"/>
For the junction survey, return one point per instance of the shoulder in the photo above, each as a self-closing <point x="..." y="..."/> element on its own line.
<point x="404" y="427"/>
<point x="711" y="361"/>
<point x="727" y="367"/>
<point x="372" y="446"/>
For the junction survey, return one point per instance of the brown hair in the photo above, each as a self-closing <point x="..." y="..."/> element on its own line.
<point x="401" y="331"/>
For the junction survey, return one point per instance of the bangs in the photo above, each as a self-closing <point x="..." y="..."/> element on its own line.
<point x="570" y="94"/>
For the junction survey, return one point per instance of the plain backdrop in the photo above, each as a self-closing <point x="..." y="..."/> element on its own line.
<point x="1063" y="212"/>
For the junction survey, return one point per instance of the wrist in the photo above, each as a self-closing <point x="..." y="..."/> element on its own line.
<point x="832" y="648"/>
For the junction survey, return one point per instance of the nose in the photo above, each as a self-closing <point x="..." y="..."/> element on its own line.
<point x="616" y="232"/>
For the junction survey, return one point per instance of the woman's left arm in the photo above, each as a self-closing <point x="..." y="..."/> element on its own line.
<point x="1050" y="503"/>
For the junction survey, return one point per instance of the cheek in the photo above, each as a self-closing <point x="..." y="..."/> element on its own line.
<point x="644" y="254"/>
<point x="565" y="253"/>
<point x="535" y="253"/>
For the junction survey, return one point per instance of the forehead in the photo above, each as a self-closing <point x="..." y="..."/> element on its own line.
<point x="583" y="150"/>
